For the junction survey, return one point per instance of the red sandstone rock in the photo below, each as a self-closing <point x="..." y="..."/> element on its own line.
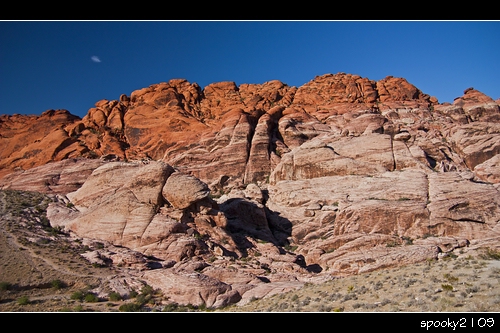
<point x="355" y="174"/>
<point x="239" y="129"/>
<point x="29" y="141"/>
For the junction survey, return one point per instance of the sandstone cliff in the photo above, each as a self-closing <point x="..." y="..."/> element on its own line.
<point x="242" y="191"/>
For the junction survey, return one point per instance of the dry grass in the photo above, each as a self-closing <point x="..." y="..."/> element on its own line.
<point x="448" y="285"/>
<point x="40" y="268"/>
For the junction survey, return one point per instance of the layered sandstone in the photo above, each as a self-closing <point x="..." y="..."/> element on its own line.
<point x="237" y="129"/>
<point x="243" y="191"/>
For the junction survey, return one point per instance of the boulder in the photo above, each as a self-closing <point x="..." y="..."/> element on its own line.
<point x="182" y="190"/>
<point x="191" y="288"/>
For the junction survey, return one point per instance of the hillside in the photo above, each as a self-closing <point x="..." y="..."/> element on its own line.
<point x="220" y="196"/>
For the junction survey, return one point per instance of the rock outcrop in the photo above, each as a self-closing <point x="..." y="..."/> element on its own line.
<point x="59" y="177"/>
<point x="160" y="212"/>
<point x="245" y="191"/>
<point x="225" y="129"/>
<point x="29" y="141"/>
<point x="353" y="223"/>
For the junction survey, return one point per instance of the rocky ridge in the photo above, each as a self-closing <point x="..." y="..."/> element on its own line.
<point x="243" y="192"/>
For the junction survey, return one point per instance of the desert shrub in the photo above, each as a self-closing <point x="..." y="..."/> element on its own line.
<point x="147" y="289"/>
<point x="174" y="307"/>
<point x="324" y="308"/>
<point x="91" y="298"/>
<point x="143" y="298"/>
<point x="392" y="243"/>
<point x="57" y="284"/>
<point x="385" y="301"/>
<point x="362" y="290"/>
<point x="447" y="287"/>
<point x="23" y="300"/>
<point x="495" y="273"/>
<point x="77" y="295"/>
<point x="348" y="297"/>
<point x="146" y="295"/>
<point x="171" y="307"/>
<point x="490" y="254"/>
<point x="291" y="248"/>
<point x="283" y="306"/>
<point x="129" y="307"/>
<point x="114" y="296"/>
<point x="450" y="278"/>
<point x="407" y="240"/>
<point x="65" y="309"/>
<point x="5" y="285"/>
<point x="78" y="308"/>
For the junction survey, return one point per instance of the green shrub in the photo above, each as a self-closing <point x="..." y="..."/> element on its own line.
<point x="5" y="285"/>
<point x="133" y="294"/>
<point x="78" y="308"/>
<point x="114" y="296"/>
<point x="147" y="289"/>
<point x="91" y="298"/>
<point x="65" y="309"/>
<point x="291" y="248"/>
<point x="77" y="295"/>
<point x="57" y="284"/>
<point x="129" y="307"/>
<point x="23" y="300"/>
<point x="143" y="298"/>
<point x="171" y="307"/>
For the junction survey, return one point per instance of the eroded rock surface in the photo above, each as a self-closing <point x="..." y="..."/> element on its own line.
<point x="245" y="191"/>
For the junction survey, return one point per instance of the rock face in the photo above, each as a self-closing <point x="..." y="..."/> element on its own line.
<point x="160" y="212"/>
<point x="243" y="191"/>
<point x="55" y="177"/>
<point x="337" y="219"/>
<point x="220" y="130"/>
<point x="29" y="141"/>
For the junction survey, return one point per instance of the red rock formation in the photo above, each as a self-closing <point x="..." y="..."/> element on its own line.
<point x="29" y="141"/>
<point x="223" y="127"/>
<point x="343" y="169"/>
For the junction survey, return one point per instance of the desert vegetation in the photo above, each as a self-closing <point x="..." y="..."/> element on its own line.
<point x="452" y="284"/>
<point x="43" y="270"/>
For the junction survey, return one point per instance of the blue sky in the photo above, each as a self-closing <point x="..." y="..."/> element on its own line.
<point x="73" y="64"/>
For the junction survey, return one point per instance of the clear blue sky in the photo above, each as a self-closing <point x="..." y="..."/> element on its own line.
<point x="71" y="65"/>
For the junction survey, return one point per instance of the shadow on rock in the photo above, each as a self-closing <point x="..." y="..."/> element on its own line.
<point x="246" y="218"/>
